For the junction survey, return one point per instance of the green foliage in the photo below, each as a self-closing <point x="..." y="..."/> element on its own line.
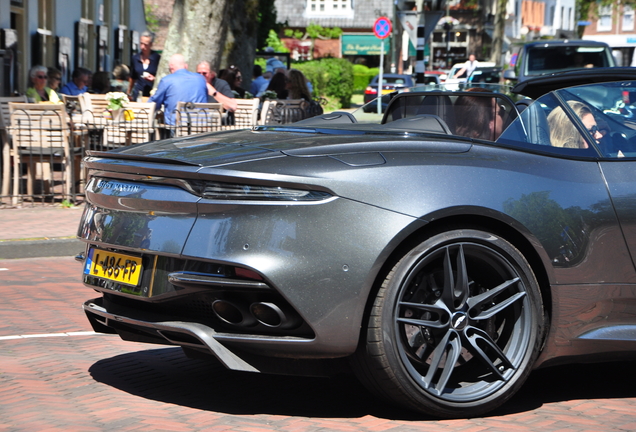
<point x="362" y="75"/>
<point x="261" y="61"/>
<point x="152" y="21"/>
<point x="584" y="6"/>
<point x="296" y="34"/>
<point x="315" y="31"/>
<point x="266" y="22"/>
<point x="274" y="42"/>
<point x="587" y="8"/>
<point x="332" y="79"/>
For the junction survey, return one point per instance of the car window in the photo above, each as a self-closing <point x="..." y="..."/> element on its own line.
<point x="580" y="121"/>
<point x="394" y="80"/>
<point x="542" y="60"/>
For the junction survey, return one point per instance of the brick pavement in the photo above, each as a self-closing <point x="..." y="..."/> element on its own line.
<point x="39" y="222"/>
<point x="76" y="380"/>
<point x="39" y="231"/>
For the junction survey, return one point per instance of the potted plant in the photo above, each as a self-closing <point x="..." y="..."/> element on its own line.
<point x="116" y="104"/>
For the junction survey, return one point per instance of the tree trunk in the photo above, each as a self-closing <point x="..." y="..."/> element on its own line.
<point x="499" y="32"/>
<point x="222" y="32"/>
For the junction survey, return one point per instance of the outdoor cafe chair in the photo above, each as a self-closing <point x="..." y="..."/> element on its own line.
<point x="282" y="111"/>
<point x="7" y="153"/>
<point x="245" y="115"/>
<point x="40" y="136"/>
<point x="191" y="118"/>
<point x="135" y="125"/>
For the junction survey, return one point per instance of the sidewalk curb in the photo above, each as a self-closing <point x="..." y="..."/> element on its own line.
<point x="40" y="248"/>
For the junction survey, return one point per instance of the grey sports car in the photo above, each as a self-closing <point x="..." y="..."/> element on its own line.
<point x="441" y="250"/>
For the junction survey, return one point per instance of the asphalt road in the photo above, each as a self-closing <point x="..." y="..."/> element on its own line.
<point x="55" y="374"/>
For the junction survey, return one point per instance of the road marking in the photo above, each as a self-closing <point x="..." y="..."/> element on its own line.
<point x="45" y="335"/>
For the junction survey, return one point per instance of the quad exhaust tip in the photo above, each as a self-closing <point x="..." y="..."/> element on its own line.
<point x="265" y="313"/>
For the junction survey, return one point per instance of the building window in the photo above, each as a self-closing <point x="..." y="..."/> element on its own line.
<point x="604" y="18"/>
<point x="628" y="18"/>
<point x="85" y="37"/>
<point x="43" y="47"/>
<point x="329" y="8"/>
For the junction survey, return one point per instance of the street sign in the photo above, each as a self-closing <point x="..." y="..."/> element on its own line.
<point x="410" y="21"/>
<point x="382" y="28"/>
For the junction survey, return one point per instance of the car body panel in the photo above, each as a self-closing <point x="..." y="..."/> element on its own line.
<point x="539" y="86"/>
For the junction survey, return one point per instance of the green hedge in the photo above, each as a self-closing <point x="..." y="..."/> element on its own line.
<point x="362" y="76"/>
<point x="332" y="78"/>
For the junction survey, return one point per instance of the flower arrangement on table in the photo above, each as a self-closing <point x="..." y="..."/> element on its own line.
<point x="118" y="101"/>
<point x="269" y="94"/>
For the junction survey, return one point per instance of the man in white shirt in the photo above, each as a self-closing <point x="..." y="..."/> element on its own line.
<point x="469" y="67"/>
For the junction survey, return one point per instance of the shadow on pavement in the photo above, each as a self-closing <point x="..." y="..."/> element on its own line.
<point x="167" y="375"/>
<point x="573" y="382"/>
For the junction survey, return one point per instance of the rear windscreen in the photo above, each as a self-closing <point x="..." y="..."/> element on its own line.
<point x="542" y="60"/>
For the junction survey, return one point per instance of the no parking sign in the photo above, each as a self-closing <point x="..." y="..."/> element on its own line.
<point x="382" y="28"/>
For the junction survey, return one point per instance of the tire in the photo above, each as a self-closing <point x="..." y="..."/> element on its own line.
<point x="467" y="296"/>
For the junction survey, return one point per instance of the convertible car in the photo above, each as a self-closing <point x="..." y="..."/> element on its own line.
<point x="441" y="250"/>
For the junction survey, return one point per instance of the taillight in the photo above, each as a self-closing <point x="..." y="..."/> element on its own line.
<point x="371" y="90"/>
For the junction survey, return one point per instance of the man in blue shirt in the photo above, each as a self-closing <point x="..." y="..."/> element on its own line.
<point x="180" y="86"/>
<point x="257" y="79"/>
<point x="78" y="84"/>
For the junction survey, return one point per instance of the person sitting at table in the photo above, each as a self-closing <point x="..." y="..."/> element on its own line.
<point x="54" y="78"/>
<point x="38" y="91"/>
<point x="296" y="85"/>
<point x="119" y="81"/>
<point x="180" y="86"/>
<point x="257" y="79"/>
<point x="234" y="78"/>
<point x="80" y="80"/>
<point x="278" y="84"/>
<point x="101" y="83"/>
<point x="219" y="91"/>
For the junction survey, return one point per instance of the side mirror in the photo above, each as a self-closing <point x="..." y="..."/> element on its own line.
<point x="510" y="75"/>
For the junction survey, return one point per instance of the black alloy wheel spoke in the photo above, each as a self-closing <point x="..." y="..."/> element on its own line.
<point x="488" y="311"/>
<point x="455" y="288"/>
<point x="451" y="346"/>
<point x="474" y="336"/>
<point x="440" y="315"/>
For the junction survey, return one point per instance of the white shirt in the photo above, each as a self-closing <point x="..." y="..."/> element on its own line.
<point x="471" y="66"/>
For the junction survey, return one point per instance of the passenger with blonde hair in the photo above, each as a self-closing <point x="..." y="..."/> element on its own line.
<point x="563" y="132"/>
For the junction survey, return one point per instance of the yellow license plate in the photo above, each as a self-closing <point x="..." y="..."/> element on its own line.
<point x="114" y="266"/>
<point x="385" y="91"/>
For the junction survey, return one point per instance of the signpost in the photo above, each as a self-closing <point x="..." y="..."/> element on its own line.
<point x="382" y="29"/>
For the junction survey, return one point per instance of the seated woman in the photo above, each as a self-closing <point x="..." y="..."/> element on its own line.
<point x="563" y="132"/>
<point x="277" y="85"/>
<point x="296" y="85"/>
<point x="38" y="90"/>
